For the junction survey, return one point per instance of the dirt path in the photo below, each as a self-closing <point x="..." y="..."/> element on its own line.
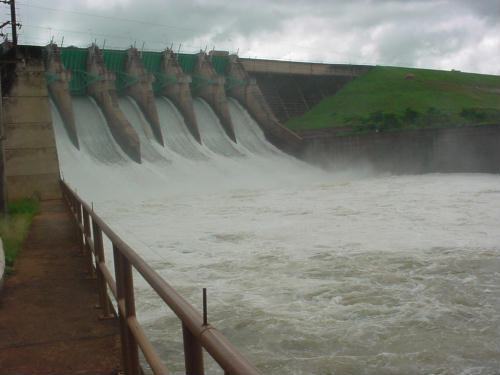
<point x="48" y="320"/>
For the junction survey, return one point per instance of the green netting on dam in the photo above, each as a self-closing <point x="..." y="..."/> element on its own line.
<point x="187" y="62"/>
<point x="220" y="64"/>
<point x="152" y="61"/>
<point x="75" y="60"/>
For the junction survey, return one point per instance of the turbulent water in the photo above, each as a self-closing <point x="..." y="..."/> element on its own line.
<point x="308" y="272"/>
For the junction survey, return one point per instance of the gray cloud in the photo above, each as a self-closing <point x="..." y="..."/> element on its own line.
<point x="442" y="34"/>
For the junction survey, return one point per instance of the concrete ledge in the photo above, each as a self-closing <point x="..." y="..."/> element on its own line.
<point x="43" y="186"/>
<point x="31" y="161"/>
<point x="28" y="135"/>
<point x="26" y="109"/>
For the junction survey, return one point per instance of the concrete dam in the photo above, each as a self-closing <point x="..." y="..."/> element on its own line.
<point x="137" y="93"/>
<point x="184" y="159"/>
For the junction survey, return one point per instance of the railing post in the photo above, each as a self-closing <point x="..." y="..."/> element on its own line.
<point x="193" y="354"/>
<point x="78" y="225"/>
<point x="104" y="302"/>
<point x="86" y="237"/>
<point x="126" y="309"/>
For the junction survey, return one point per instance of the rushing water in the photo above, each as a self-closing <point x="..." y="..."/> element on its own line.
<point x="308" y="272"/>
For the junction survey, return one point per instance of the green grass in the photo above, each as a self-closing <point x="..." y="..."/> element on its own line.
<point x="384" y="99"/>
<point x="14" y="227"/>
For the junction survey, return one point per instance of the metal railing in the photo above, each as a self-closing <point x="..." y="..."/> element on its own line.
<point x="196" y="334"/>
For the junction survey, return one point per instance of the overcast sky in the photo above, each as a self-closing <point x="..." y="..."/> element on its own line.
<point x="442" y="34"/>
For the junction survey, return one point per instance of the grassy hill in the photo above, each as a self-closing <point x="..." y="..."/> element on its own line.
<point x="389" y="98"/>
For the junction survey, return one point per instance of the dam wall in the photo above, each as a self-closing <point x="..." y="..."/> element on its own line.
<point x="468" y="149"/>
<point x="31" y="163"/>
<point x="291" y="95"/>
<point x="302" y="68"/>
<point x="271" y="91"/>
<point x="293" y="88"/>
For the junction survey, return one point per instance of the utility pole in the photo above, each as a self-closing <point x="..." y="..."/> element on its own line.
<point x="13" y="20"/>
<point x="3" y="187"/>
<point x="14" y="24"/>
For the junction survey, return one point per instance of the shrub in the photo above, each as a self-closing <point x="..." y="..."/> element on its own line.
<point x="410" y="116"/>
<point x="14" y="227"/>
<point x="473" y="114"/>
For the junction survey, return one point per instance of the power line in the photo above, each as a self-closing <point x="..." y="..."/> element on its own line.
<point x="106" y="17"/>
<point x="93" y="34"/>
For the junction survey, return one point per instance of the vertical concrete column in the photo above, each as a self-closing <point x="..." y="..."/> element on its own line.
<point x="177" y="88"/>
<point x="142" y="91"/>
<point x="102" y="88"/>
<point x="58" y="79"/>
<point x="210" y="86"/>
<point x="31" y="164"/>
<point x="245" y="89"/>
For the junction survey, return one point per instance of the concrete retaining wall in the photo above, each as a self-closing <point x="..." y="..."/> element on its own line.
<point x="467" y="149"/>
<point x="31" y="164"/>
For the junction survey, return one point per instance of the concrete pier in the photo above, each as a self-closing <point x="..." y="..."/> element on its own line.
<point x="247" y="92"/>
<point x="103" y="90"/>
<point x="177" y="89"/>
<point x="58" y="83"/>
<point x="210" y="87"/>
<point x="141" y="91"/>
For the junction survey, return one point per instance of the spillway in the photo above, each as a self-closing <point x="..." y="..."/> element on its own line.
<point x="248" y="133"/>
<point x="212" y="132"/>
<point x="175" y="132"/>
<point x="150" y="151"/>
<point x="94" y="133"/>
<point x="307" y="272"/>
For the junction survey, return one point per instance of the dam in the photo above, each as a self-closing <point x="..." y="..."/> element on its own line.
<point x="308" y="270"/>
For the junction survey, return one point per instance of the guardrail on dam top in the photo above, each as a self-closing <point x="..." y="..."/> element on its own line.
<point x="197" y="333"/>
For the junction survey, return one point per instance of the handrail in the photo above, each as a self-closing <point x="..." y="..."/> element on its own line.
<point x="196" y="335"/>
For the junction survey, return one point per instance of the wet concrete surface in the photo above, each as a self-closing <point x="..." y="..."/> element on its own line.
<point x="48" y="320"/>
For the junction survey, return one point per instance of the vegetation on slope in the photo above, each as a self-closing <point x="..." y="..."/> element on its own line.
<point x="14" y="227"/>
<point x="389" y="98"/>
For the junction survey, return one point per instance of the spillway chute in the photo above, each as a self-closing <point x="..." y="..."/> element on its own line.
<point x="248" y="132"/>
<point x="94" y="133"/>
<point x="212" y="132"/>
<point x="176" y="134"/>
<point x="150" y="148"/>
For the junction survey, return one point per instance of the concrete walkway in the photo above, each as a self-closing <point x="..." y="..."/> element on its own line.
<point x="48" y="322"/>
